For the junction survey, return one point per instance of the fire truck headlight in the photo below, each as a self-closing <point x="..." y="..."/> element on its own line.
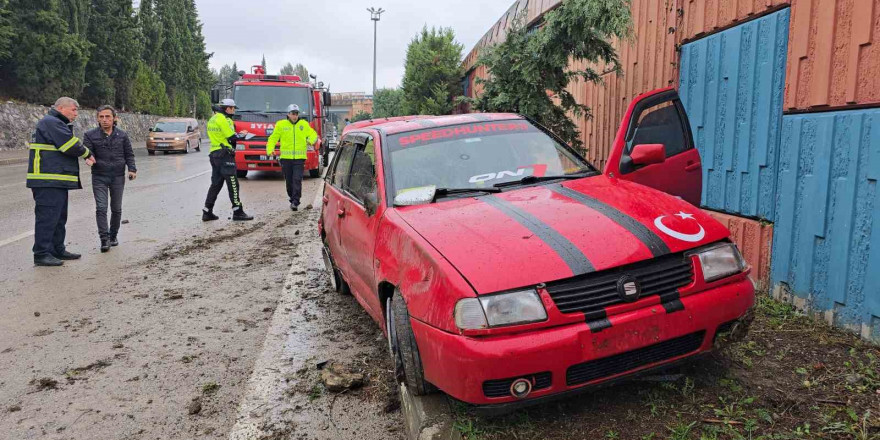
<point x="240" y="147"/>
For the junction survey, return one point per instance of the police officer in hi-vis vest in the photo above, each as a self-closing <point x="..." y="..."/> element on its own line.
<point x="53" y="169"/>
<point x="296" y="135"/>
<point x="221" y="132"/>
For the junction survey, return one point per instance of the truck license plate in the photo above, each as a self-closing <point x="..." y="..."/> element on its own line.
<point x="267" y="157"/>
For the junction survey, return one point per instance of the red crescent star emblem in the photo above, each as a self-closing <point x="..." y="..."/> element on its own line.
<point x="691" y="238"/>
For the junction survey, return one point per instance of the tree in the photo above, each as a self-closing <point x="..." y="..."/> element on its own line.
<point x="529" y="72"/>
<point x="148" y="94"/>
<point x="116" y="48"/>
<point x="301" y="72"/>
<point x="388" y="103"/>
<point x="152" y="34"/>
<point x="46" y="61"/>
<point x="263" y="63"/>
<point x="361" y="116"/>
<point x="432" y="76"/>
<point x="287" y="69"/>
<point x="6" y="32"/>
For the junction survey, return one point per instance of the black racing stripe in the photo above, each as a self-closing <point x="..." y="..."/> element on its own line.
<point x="671" y="302"/>
<point x="573" y="257"/>
<point x="599" y="325"/>
<point x="656" y="244"/>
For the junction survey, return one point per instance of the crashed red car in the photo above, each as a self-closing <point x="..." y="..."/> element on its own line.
<point x="507" y="270"/>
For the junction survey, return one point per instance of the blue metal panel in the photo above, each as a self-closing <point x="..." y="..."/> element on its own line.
<point x="827" y="235"/>
<point x="732" y="85"/>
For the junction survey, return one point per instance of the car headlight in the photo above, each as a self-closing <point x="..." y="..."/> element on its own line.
<point x="177" y="139"/>
<point x="240" y="147"/>
<point x="720" y="261"/>
<point x="520" y="307"/>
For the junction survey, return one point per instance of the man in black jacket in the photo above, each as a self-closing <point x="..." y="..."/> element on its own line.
<point x="53" y="170"/>
<point x="112" y="149"/>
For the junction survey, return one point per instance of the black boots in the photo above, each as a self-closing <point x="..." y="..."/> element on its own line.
<point x="239" y="215"/>
<point x="68" y="256"/>
<point x="114" y="241"/>
<point x="105" y="245"/>
<point x="47" y="260"/>
<point x="294" y="207"/>
<point x="208" y="215"/>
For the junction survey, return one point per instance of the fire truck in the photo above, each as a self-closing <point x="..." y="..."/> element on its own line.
<point x="262" y="101"/>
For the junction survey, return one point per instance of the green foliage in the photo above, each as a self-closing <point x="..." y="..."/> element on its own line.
<point x="116" y="48"/>
<point x="432" y="76"/>
<point x="152" y="33"/>
<point x="148" y="93"/>
<point x="529" y="72"/>
<point x="361" y="116"/>
<point x="388" y="103"/>
<point x="6" y="32"/>
<point x="263" y="63"/>
<point x="46" y="61"/>
<point x="298" y="70"/>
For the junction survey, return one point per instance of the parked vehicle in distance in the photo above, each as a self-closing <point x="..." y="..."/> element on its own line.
<point x="174" y="134"/>
<point x="506" y="270"/>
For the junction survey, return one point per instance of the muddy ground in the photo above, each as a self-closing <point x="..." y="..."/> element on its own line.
<point x="792" y="378"/>
<point x="168" y="349"/>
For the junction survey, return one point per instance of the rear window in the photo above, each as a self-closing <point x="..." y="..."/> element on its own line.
<point x="478" y="155"/>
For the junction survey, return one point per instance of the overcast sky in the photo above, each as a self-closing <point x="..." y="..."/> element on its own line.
<point x="334" y="38"/>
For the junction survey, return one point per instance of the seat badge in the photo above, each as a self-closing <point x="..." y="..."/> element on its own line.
<point x="629" y="289"/>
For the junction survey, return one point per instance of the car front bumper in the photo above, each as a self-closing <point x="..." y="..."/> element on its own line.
<point x="257" y="160"/>
<point x="565" y="359"/>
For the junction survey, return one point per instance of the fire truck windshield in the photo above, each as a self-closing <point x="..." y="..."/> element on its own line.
<point x="271" y="99"/>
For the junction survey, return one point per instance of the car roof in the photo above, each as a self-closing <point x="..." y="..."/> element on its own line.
<point x="402" y="124"/>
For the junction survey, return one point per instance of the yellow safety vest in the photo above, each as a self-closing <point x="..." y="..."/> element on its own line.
<point x="220" y="128"/>
<point x="294" y="139"/>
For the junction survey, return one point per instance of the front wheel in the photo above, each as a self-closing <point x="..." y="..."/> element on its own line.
<point x="241" y="174"/>
<point x="199" y="145"/>
<point x="315" y="173"/>
<point x="404" y="350"/>
<point x="186" y="148"/>
<point x="151" y="152"/>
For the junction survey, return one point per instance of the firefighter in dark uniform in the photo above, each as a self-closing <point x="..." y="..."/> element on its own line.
<point x="221" y="132"/>
<point x="53" y="169"/>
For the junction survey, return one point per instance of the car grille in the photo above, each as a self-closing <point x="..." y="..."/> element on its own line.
<point x="593" y="292"/>
<point x="501" y="387"/>
<point x="623" y="362"/>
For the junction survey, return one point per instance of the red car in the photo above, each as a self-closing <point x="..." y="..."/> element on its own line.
<point x="506" y="270"/>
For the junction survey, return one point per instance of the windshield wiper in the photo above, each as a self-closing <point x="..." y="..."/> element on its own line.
<point x="448" y="191"/>
<point x="535" y="179"/>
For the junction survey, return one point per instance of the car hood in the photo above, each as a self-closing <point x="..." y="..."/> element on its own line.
<point x="556" y="231"/>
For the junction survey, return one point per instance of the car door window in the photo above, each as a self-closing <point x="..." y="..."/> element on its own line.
<point x="660" y="124"/>
<point x="343" y="165"/>
<point x="363" y="170"/>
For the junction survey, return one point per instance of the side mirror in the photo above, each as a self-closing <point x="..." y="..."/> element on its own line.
<point x="150" y="129"/>
<point x="190" y="129"/>
<point x="215" y="95"/>
<point x="371" y="203"/>
<point x="327" y="99"/>
<point x="648" y="154"/>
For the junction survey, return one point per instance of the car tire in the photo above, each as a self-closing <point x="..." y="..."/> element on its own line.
<point x="315" y="173"/>
<point x="186" y="148"/>
<point x="151" y="152"/>
<point x="241" y="174"/>
<point x="404" y="350"/>
<point x="164" y="152"/>
<point x="199" y="145"/>
<point x="342" y="287"/>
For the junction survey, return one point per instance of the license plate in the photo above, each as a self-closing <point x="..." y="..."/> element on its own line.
<point x="252" y="165"/>
<point x="267" y="157"/>
<point x="161" y="145"/>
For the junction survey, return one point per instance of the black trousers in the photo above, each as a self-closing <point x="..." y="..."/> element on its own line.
<point x="293" y="178"/>
<point x="217" y="180"/>
<point x="108" y="190"/>
<point x="50" y="216"/>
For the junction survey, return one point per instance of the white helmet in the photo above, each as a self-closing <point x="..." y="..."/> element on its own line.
<point x="227" y="103"/>
<point x="292" y="108"/>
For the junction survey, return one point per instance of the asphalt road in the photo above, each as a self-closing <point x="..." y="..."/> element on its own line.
<point x="165" y="336"/>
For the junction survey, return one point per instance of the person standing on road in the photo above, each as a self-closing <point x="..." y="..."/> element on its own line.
<point x="112" y="149"/>
<point x="296" y="135"/>
<point x="53" y="170"/>
<point x="221" y="132"/>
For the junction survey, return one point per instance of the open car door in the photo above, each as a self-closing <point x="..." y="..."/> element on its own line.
<point x="654" y="147"/>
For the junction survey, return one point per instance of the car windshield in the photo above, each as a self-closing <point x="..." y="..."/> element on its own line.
<point x="170" y="127"/>
<point x="271" y="99"/>
<point x="480" y="155"/>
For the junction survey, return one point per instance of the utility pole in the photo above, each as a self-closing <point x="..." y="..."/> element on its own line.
<point x="375" y="15"/>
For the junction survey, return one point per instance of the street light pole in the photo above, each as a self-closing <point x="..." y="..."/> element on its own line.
<point x="375" y="15"/>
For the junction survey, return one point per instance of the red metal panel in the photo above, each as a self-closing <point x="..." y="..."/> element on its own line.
<point x="755" y="241"/>
<point x="701" y="17"/>
<point x="834" y="53"/>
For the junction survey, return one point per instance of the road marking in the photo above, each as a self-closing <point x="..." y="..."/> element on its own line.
<point x="16" y="238"/>
<point x="192" y="177"/>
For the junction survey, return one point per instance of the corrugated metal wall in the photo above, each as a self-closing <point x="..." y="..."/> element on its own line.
<point x="705" y="16"/>
<point x="827" y="236"/>
<point x="834" y="54"/>
<point x="732" y="84"/>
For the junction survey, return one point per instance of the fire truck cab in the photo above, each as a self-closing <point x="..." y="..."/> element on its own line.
<point x="262" y="101"/>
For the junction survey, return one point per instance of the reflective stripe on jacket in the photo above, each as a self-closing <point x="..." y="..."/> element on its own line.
<point x="54" y="154"/>
<point x="220" y="128"/>
<point x="294" y="139"/>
